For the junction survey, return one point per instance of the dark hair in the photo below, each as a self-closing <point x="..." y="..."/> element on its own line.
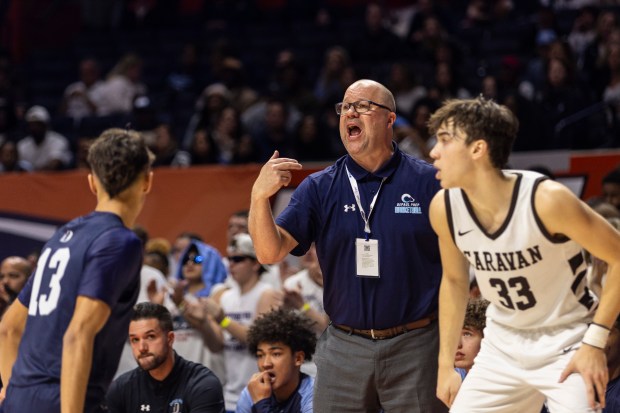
<point x="141" y="233"/>
<point x="613" y="177"/>
<point x="475" y="315"/>
<point x="148" y="310"/>
<point x="190" y="235"/>
<point x="243" y="213"/>
<point x="285" y="326"/>
<point x="480" y="118"/>
<point x="118" y="157"/>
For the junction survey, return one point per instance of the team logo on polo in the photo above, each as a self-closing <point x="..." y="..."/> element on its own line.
<point x="176" y="406"/>
<point x="407" y="205"/>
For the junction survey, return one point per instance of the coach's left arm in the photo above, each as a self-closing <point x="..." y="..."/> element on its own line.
<point x="89" y="317"/>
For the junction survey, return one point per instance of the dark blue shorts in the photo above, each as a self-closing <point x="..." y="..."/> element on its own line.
<point x="44" y="398"/>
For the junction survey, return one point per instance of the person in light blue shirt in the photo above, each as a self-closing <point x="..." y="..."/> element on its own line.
<point x="281" y="340"/>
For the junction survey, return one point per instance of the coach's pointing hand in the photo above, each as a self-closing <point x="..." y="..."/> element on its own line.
<point x="275" y="174"/>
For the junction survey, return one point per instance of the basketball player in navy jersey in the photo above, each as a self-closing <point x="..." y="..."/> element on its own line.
<point x="61" y="340"/>
<point x="524" y="235"/>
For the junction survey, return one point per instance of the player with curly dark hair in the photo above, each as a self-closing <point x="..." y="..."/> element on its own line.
<point x="281" y="340"/>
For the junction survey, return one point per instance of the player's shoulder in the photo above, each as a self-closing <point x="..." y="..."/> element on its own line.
<point x="438" y="203"/>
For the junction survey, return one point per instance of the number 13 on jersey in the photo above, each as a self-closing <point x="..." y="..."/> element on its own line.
<point x="44" y="304"/>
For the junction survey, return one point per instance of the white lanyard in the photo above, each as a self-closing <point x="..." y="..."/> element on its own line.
<point x="356" y="193"/>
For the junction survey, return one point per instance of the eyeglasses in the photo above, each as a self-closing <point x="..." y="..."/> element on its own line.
<point x="238" y="258"/>
<point x="197" y="259"/>
<point x="361" y="106"/>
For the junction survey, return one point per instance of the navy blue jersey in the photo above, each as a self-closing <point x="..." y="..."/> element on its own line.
<point x="323" y="209"/>
<point x="94" y="256"/>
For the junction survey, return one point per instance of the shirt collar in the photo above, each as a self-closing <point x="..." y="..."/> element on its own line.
<point x="385" y="171"/>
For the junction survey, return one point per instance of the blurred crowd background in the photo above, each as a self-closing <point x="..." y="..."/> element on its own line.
<point x="229" y="81"/>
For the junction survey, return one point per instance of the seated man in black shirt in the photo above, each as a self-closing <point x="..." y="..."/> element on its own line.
<point x="164" y="381"/>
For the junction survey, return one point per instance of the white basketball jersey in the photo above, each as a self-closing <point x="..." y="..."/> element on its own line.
<point x="531" y="278"/>
<point x="240" y="364"/>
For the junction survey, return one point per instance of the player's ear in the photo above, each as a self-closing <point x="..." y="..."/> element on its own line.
<point x="148" y="182"/>
<point x="479" y="147"/>
<point x="300" y="357"/>
<point x="170" y="338"/>
<point x="91" y="184"/>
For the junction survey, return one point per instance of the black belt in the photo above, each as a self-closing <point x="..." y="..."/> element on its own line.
<point x="386" y="333"/>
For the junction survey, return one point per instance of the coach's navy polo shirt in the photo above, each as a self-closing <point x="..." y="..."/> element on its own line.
<point x="321" y="210"/>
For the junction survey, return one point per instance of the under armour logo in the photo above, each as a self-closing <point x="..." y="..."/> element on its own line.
<point x="145" y="407"/>
<point x="348" y="208"/>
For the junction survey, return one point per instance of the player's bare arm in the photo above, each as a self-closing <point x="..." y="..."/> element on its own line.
<point x="271" y="242"/>
<point x="562" y="213"/>
<point x="453" y="296"/>
<point x="89" y="317"/>
<point x="11" y="330"/>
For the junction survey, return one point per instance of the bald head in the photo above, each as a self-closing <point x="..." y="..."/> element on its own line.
<point x="380" y="92"/>
<point x="14" y="272"/>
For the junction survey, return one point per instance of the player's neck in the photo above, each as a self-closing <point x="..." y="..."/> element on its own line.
<point x="491" y="198"/>
<point x="128" y="211"/>
<point x="490" y="189"/>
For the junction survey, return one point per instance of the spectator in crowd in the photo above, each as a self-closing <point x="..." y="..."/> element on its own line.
<point x="471" y="335"/>
<point x="281" y="341"/>
<point x="43" y="148"/>
<point x="229" y="316"/>
<point x="329" y="86"/>
<point x="9" y="159"/>
<point x="227" y="134"/>
<point x="163" y="380"/>
<point x="311" y="143"/>
<point x="14" y="272"/>
<point x="233" y="75"/>
<point x="272" y="132"/>
<point x="303" y="291"/>
<point x="611" y="187"/>
<point x="374" y="41"/>
<point x="123" y="84"/>
<point x="203" y="150"/>
<point x="406" y="92"/>
<point x="200" y="268"/>
<point x="80" y="98"/>
<point x="209" y="105"/>
<point x="166" y="149"/>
